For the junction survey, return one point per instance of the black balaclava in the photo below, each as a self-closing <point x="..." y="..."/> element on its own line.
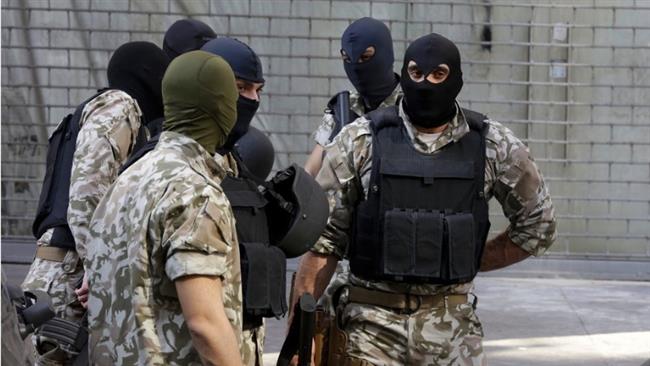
<point x="427" y="104"/>
<point x="373" y="79"/>
<point x="246" y="66"/>
<point x="137" y="68"/>
<point x="186" y="35"/>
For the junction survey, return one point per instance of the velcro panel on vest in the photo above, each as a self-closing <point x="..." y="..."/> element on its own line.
<point x="265" y="287"/>
<point x="428" y="170"/>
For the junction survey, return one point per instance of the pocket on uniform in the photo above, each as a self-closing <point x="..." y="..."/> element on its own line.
<point x="120" y="137"/>
<point x="467" y="319"/>
<point x="462" y="246"/>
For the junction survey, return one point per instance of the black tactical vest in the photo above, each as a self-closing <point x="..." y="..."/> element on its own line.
<point x="55" y="194"/>
<point x="263" y="266"/>
<point x="425" y="219"/>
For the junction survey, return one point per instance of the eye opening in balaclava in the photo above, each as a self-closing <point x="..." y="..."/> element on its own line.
<point x="246" y="66"/>
<point x="200" y="97"/>
<point x="137" y="68"/>
<point x="186" y="35"/>
<point x="428" y="104"/>
<point x="374" y="79"/>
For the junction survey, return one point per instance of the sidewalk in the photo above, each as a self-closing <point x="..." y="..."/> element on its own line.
<point x="551" y="322"/>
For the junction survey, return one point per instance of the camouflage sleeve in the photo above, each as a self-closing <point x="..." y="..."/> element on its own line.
<point x="345" y="159"/>
<point x="109" y="127"/>
<point x="515" y="181"/>
<point x="324" y="130"/>
<point x="197" y="232"/>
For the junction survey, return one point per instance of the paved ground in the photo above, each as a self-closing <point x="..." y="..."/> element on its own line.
<point x="552" y="322"/>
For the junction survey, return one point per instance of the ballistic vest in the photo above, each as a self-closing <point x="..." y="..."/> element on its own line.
<point x="52" y="209"/>
<point x="263" y="266"/>
<point x="425" y="218"/>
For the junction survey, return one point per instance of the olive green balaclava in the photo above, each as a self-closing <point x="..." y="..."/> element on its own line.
<point x="200" y="98"/>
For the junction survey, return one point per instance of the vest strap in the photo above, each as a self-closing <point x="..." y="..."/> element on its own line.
<point x="54" y="254"/>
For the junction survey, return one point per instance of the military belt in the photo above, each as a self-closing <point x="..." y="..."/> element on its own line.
<point x="407" y="303"/>
<point x="54" y="254"/>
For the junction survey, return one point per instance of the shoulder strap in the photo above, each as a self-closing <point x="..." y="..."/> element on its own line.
<point x="383" y="117"/>
<point x="476" y="121"/>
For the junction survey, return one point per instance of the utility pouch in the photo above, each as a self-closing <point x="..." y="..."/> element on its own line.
<point x="264" y="279"/>
<point x="413" y="242"/>
<point x="321" y="337"/>
<point x="429" y="246"/>
<point x="463" y="249"/>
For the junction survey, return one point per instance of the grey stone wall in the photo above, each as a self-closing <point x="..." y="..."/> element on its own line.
<point x="570" y="78"/>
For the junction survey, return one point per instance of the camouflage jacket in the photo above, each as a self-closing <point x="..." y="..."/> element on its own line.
<point x="324" y="130"/>
<point x="511" y="176"/>
<point x="165" y="217"/>
<point x="109" y="128"/>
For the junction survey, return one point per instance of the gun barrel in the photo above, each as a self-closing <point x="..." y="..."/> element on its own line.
<point x="308" y="323"/>
<point x="343" y="107"/>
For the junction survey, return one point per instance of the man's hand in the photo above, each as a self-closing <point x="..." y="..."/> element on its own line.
<point x="211" y="331"/>
<point x="501" y="252"/>
<point x="312" y="362"/>
<point x="313" y="276"/>
<point x="82" y="292"/>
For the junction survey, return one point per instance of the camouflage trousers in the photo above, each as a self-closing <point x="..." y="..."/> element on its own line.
<point x="57" y="279"/>
<point x="444" y="336"/>
<point x="253" y="346"/>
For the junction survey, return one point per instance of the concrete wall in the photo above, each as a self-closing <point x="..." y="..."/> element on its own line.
<point x="570" y="78"/>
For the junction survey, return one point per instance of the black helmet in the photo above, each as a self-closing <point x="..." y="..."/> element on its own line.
<point x="186" y="35"/>
<point x="298" y="211"/>
<point x="256" y="152"/>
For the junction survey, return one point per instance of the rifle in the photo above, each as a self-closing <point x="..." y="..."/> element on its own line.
<point x="341" y="112"/>
<point x="301" y="332"/>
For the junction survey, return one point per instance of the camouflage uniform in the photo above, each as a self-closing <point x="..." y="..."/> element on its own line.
<point x="252" y="339"/>
<point x="109" y="127"/>
<point x="165" y="217"/>
<point x="450" y="335"/>
<point x="322" y="137"/>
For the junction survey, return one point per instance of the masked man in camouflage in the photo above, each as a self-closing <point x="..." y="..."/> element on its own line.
<point x="367" y="54"/>
<point x="84" y="156"/>
<point x="164" y="280"/>
<point x="408" y="189"/>
<point x="247" y="68"/>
